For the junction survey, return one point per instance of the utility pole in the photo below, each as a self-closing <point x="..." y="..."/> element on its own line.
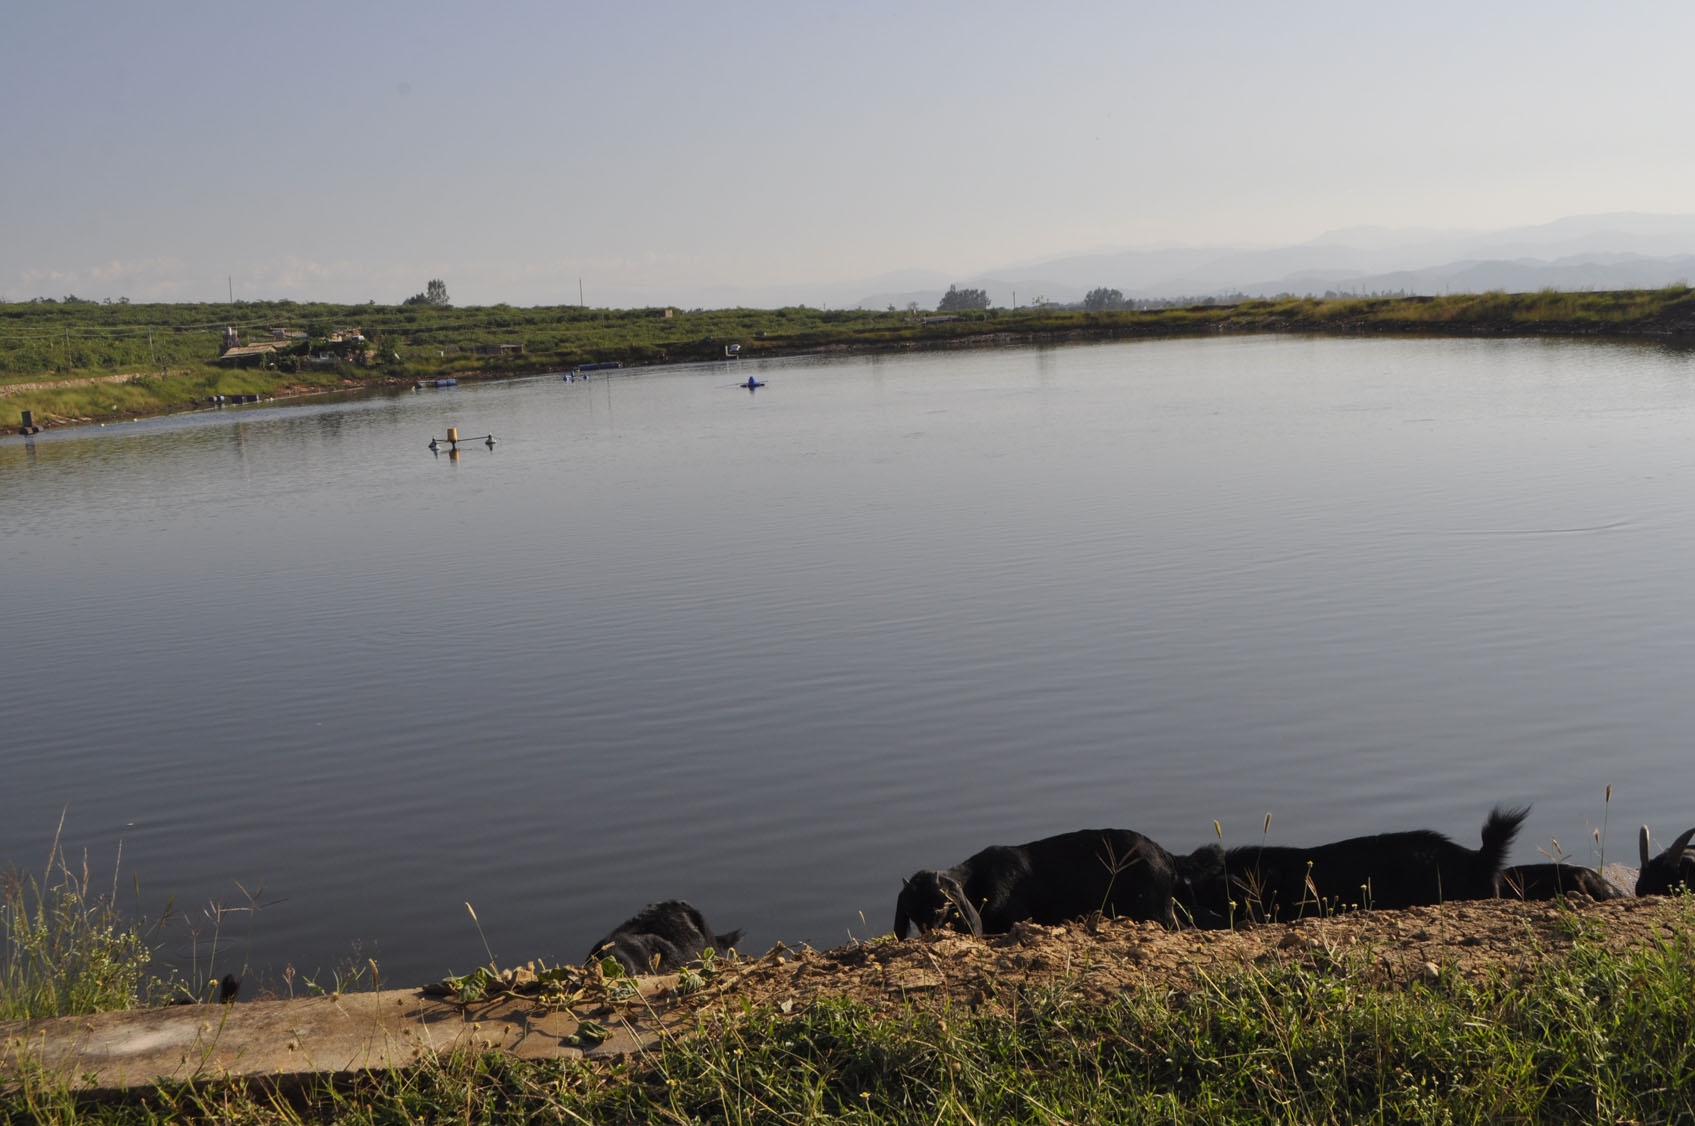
<point x="580" y="304"/>
<point x="231" y="279"/>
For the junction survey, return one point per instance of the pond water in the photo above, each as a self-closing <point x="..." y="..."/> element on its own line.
<point x="773" y="651"/>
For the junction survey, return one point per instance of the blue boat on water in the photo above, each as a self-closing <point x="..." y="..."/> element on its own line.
<point x="422" y="383"/>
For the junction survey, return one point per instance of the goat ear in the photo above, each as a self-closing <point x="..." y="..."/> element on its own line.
<point x="1642" y="844"/>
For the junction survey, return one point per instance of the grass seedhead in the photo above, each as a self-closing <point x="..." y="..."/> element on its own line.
<point x="1601" y="837"/>
<point x="478" y="924"/>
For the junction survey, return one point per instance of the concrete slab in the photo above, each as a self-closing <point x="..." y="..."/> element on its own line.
<point x="321" y="1036"/>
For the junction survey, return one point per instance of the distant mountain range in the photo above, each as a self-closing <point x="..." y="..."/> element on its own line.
<point x="1615" y="251"/>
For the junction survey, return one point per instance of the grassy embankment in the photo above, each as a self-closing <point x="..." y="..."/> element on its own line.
<point x="1596" y="1038"/>
<point x="1593" y="1036"/>
<point x="115" y="361"/>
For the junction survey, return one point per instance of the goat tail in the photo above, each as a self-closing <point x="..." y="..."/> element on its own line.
<point x="725" y="942"/>
<point x="1499" y="832"/>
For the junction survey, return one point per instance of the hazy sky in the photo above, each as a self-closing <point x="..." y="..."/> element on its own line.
<point x="670" y="153"/>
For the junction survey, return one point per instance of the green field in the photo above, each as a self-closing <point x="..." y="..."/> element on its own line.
<point x="75" y="361"/>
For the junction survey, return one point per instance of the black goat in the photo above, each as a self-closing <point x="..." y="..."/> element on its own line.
<point x="1555" y="881"/>
<point x="1664" y="873"/>
<point x="1055" y="879"/>
<point x="1254" y="883"/>
<point x="661" y="937"/>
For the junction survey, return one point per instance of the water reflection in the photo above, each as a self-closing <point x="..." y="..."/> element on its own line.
<point x="773" y="658"/>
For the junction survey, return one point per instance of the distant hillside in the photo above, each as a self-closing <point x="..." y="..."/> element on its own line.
<point x="1596" y="252"/>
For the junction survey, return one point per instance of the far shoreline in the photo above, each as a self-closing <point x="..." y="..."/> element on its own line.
<point x="564" y="339"/>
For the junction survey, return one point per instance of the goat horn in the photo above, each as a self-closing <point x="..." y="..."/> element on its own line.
<point x="1681" y="843"/>
<point x="1642" y="844"/>
<point x="972" y="919"/>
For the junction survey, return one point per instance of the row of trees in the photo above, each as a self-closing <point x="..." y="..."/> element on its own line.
<point x="955" y="300"/>
<point x="434" y="295"/>
<point x="959" y="300"/>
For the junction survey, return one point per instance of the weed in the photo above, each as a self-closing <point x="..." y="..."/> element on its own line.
<point x="65" y="949"/>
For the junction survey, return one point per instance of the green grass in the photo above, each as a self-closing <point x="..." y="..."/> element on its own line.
<point x="151" y="394"/>
<point x="66" y="947"/>
<point x="1597" y="1038"/>
<point x="1593" y="1037"/>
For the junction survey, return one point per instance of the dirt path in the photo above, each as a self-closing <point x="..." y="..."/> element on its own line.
<point x="79" y="381"/>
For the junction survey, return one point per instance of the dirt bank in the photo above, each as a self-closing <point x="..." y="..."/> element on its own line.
<point x="1472" y="940"/>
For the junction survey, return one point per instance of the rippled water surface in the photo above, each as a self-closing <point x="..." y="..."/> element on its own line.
<point x="771" y="652"/>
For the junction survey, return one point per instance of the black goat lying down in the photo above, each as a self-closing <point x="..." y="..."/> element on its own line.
<point x="1663" y="874"/>
<point x="1552" y="881"/>
<point x="1053" y="880"/>
<point x="1417" y="868"/>
<point x="661" y="937"/>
